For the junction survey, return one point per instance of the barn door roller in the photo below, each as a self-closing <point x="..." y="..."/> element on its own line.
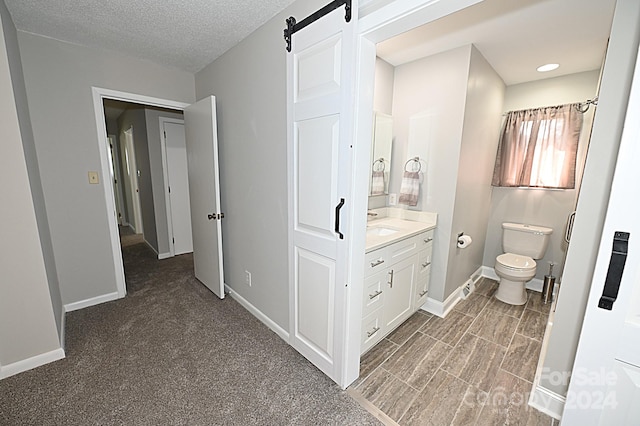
<point x="293" y="26"/>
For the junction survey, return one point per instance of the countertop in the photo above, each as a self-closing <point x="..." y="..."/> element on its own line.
<point x="404" y="229"/>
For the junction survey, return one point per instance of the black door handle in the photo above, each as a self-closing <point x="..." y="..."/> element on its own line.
<point x="337" y="228"/>
<point x="614" y="273"/>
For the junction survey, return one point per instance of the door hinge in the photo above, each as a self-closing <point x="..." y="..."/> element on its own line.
<point x="165" y="134"/>
<point x="169" y="190"/>
<point x="174" y="240"/>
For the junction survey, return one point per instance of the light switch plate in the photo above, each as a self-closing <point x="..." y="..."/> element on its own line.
<point x="93" y="178"/>
<point x="393" y="200"/>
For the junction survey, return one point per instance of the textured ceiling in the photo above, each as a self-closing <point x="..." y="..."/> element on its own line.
<point x="516" y="36"/>
<point x="185" y="34"/>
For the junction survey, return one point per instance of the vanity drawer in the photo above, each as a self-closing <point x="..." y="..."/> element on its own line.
<point x="373" y="297"/>
<point x="403" y="249"/>
<point x="376" y="261"/>
<point x="424" y="263"/>
<point x="422" y="288"/>
<point x="426" y="239"/>
<point x="371" y="330"/>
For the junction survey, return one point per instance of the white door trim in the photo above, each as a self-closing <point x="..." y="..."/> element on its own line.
<point x="165" y="177"/>
<point x="395" y="18"/>
<point x="99" y="94"/>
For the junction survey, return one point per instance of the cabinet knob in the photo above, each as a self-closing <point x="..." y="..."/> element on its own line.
<point x="428" y="240"/>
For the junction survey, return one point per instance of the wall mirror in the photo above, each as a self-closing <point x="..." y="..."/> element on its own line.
<point x="381" y="154"/>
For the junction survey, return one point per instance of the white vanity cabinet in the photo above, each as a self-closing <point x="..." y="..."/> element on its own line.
<point x="395" y="285"/>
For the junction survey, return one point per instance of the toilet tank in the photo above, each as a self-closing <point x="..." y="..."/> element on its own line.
<point x="526" y="240"/>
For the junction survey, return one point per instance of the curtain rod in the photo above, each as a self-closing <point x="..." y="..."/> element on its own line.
<point x="580" y="106"/>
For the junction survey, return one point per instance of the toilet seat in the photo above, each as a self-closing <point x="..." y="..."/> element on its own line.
<point x="516" y="262"/>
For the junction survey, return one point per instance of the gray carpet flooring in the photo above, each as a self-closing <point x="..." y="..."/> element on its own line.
<point x="172" y="353"/>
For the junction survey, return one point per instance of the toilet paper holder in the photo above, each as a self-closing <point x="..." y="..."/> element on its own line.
<point x="463" y="240"/>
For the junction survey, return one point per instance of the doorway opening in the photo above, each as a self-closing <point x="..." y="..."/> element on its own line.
<point x="404" y="69"/>
<point x="131" y="152"/>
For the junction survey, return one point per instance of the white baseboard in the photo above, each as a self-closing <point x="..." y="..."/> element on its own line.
<point x="475" y="277"/>
<point x="441" y="309"/>
<point x="150" y="246"/>
<point x="30" y="363"/>
<point x="535" y="284"/>
<point x="548" y="402"/>
<point x="62" y="328"/>
<point x="74" y="306"/>
<point x="284" y="335"/>
<point x="164" y="256"/>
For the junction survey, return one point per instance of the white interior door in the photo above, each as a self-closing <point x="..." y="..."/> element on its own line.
<point x="605" y="382"/>
<point x="115" y="177"/>
<point x="320" y="134"/>
<point x="204" y="192"/>
<point x="177" y="180"/>
<point x="132" y="173"/>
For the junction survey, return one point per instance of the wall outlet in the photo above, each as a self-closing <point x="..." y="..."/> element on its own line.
<point x="93" y="178"/>
<point x="247" y="278"/>
<point x="393" y="199"/>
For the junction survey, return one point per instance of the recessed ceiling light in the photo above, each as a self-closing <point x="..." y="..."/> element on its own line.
<point x="547" y="67"/>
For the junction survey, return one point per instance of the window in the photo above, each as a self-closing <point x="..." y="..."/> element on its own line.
<point x="538" y="148"/>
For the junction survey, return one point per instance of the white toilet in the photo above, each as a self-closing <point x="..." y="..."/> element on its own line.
<point x="521" y="244"/>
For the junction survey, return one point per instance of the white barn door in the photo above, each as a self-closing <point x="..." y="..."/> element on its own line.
<point x="320" y="132"/>
<point x="605" y="382"/>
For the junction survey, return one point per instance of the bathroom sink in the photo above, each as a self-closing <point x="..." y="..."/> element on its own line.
<point x="381" y="231"/>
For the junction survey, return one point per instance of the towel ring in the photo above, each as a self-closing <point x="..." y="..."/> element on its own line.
<point x="415" y="160"/>
<point x="381" y="161"/>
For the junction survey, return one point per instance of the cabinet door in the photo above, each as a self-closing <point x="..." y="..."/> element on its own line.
<point x="398" y="296"/>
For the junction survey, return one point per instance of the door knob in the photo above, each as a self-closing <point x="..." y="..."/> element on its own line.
<point x="211" y="216"/>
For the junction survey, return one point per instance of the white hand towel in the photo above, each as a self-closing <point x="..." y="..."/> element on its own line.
<point x="377" y="182"/>
<point x="409" y="188"/>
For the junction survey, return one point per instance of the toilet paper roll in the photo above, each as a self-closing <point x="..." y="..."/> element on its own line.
<point x="464" y="241"/>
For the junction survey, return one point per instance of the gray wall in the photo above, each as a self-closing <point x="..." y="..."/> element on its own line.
<point x="135" y="117"/>
<point x="59" y="77"/>
<point x="152" y="117"/>
<point x="250" y="88"/>
<point x="540" y="206"/>
<point x="30" y="307"/>
<point x="594" y="194"/>
<point x="433" y="91"/>
<point x="483" y="108"/>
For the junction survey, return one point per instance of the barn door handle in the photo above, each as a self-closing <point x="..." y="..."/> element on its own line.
<point x="337" y="227"/>
<point x="567" y="235"/>
<point x="614" y="273"/>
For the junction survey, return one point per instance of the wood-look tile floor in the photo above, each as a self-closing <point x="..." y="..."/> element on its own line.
<point x="476" y="366"/>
